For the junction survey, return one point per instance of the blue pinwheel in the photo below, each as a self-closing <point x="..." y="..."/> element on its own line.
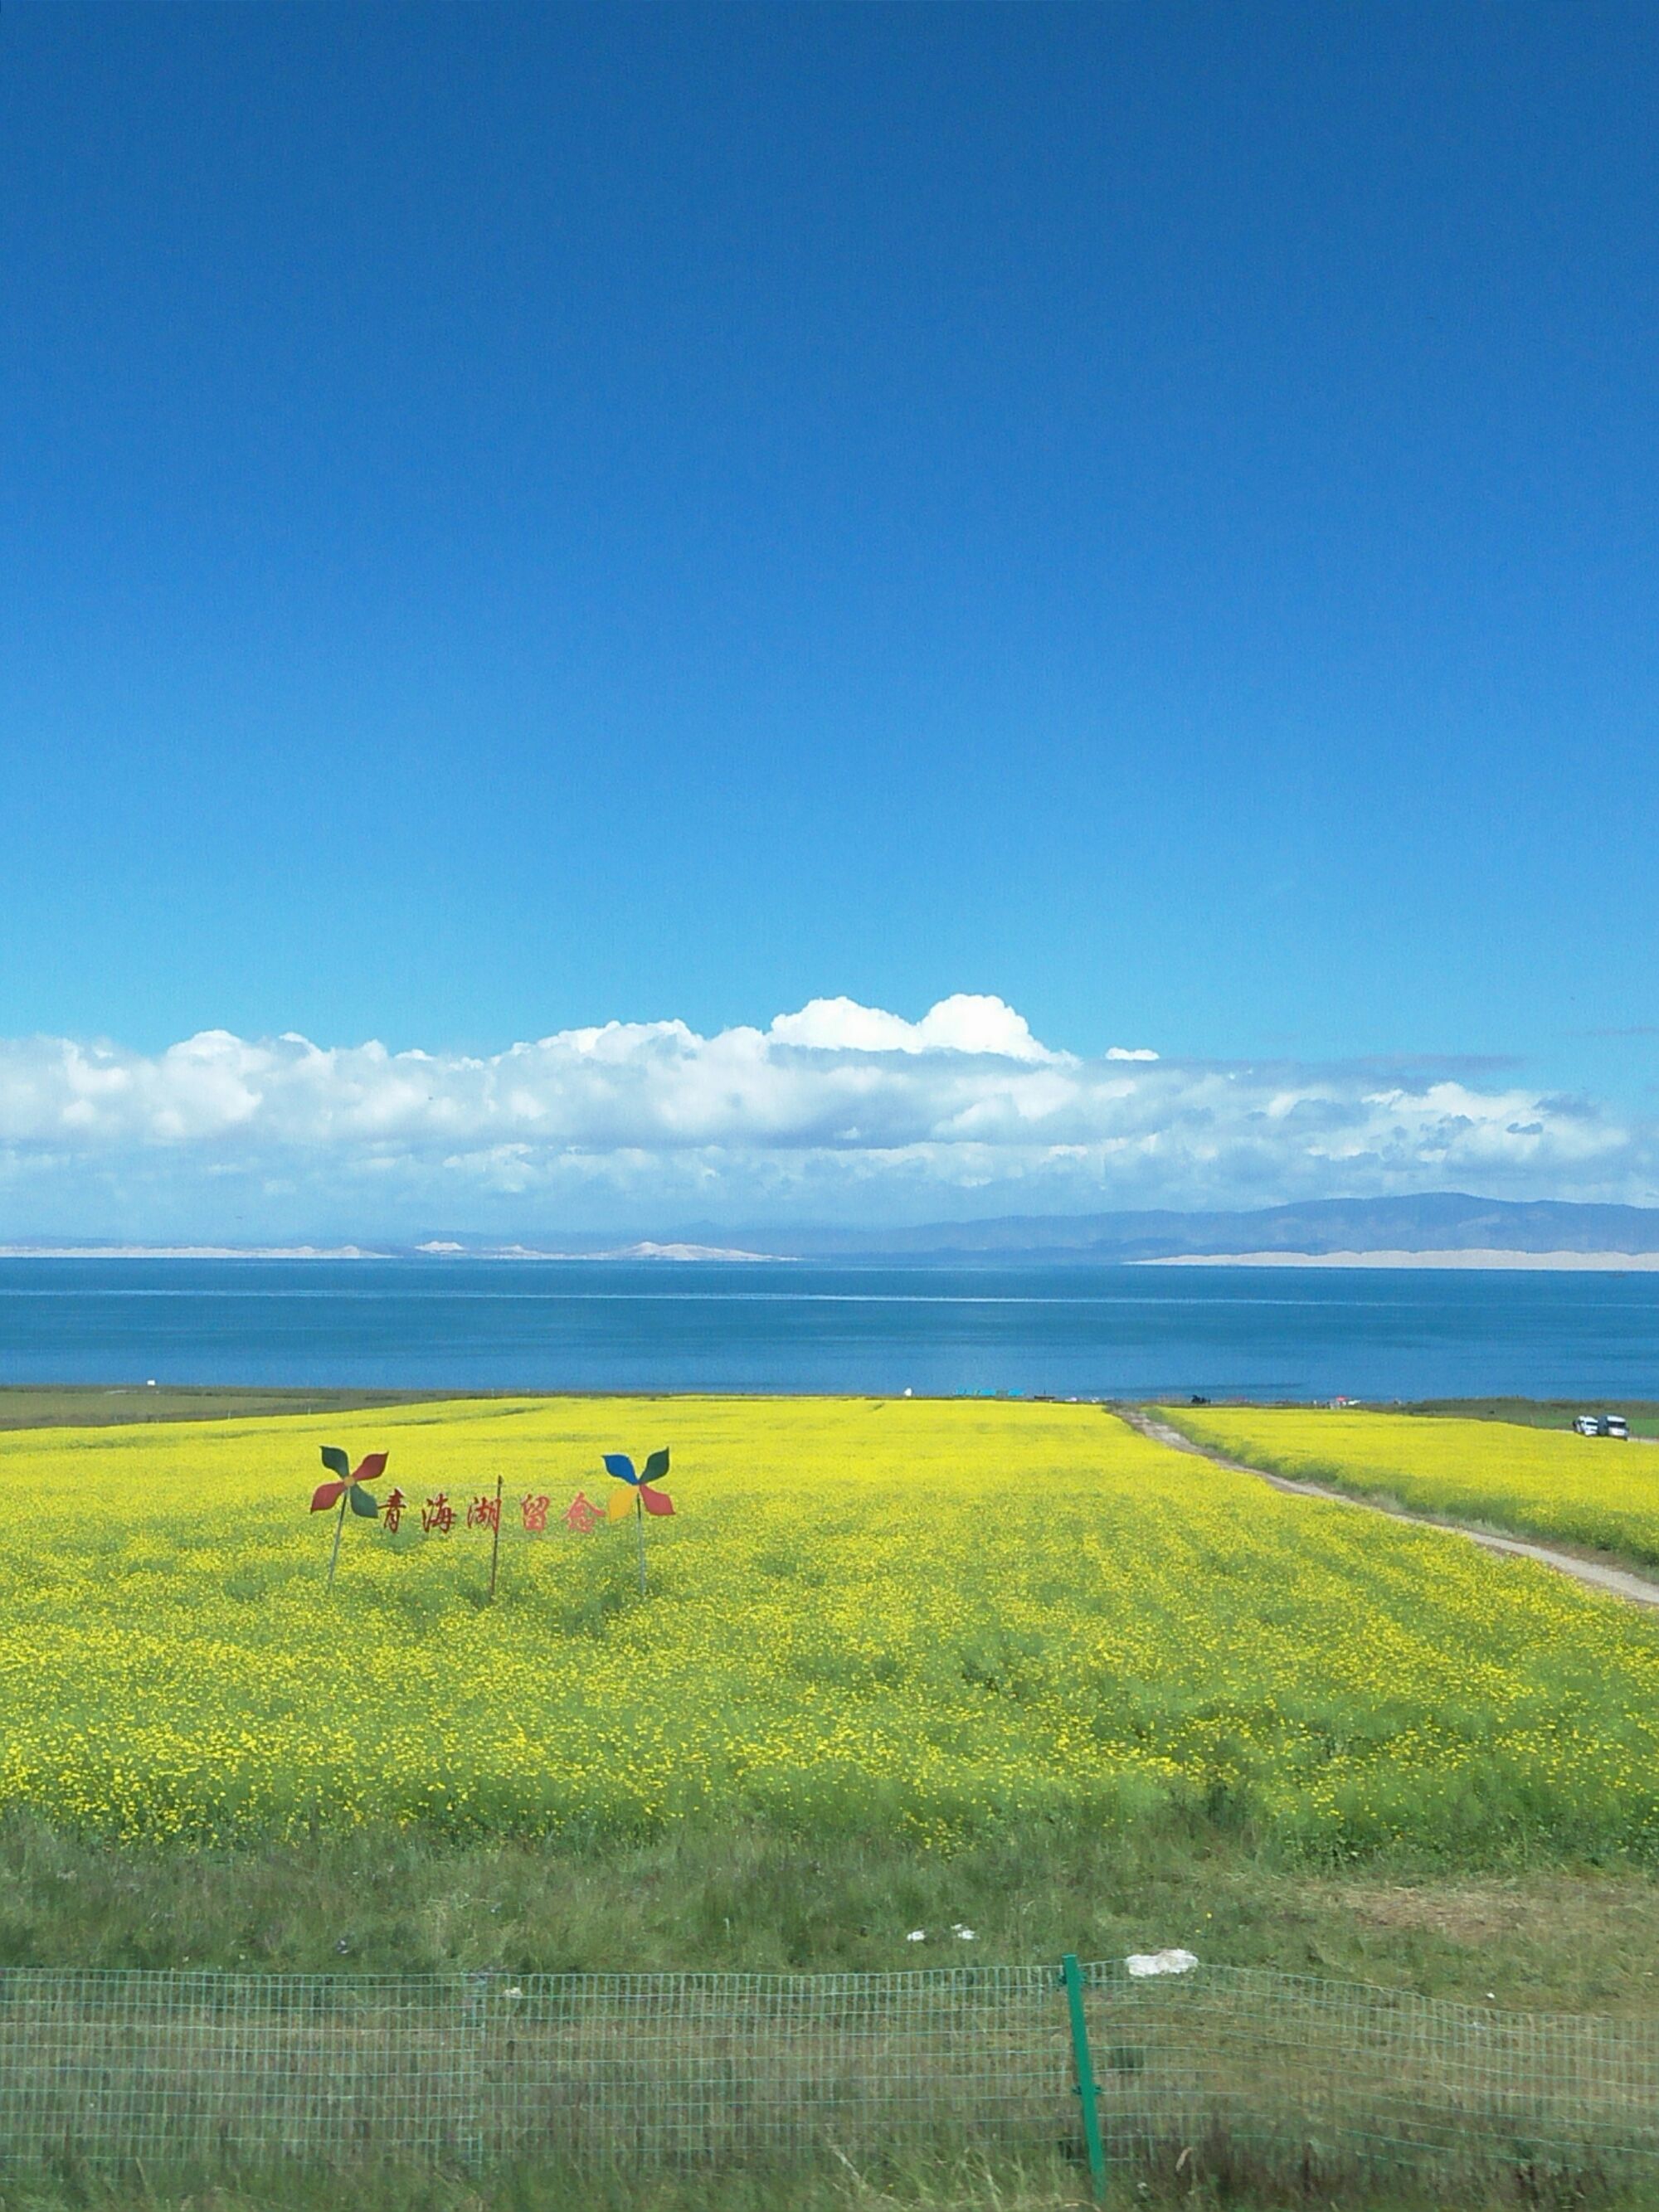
<point x="639" y="1494"/>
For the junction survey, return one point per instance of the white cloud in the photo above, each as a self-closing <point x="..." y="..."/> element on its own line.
<point x="838" y="1109"/>
<point x="962" y="1024"/>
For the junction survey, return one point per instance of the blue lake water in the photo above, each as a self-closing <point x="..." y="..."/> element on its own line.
<point x="1078" y="1331"/>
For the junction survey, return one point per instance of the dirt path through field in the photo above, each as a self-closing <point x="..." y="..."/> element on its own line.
<point x="1620" y="1581"/>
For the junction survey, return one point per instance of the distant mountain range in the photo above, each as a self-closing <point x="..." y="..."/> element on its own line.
<point x="1435" y="1222"/>
<point x="1440" y="1223"/>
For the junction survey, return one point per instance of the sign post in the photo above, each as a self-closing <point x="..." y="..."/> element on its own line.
<point x="495" y="1542"/>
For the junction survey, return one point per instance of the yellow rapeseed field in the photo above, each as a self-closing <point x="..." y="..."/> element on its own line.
<point x="1542" y="1482"/>
<point x="929" y="1620"/>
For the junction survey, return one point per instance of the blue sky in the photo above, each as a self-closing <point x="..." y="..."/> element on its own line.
<point x="513" y="519"/>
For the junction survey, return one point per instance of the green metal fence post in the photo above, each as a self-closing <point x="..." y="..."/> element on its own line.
<point x="1071" y="1975"/>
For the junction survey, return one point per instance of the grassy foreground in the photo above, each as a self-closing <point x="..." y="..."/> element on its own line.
<point x="1566" y="1938"/>
<point x="1190" y="2179"/>
<point x="1193" y="2178"/>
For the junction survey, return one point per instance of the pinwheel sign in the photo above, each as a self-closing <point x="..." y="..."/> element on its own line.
<point x="347" y="1489"/>
<point x="639" y="1494"/>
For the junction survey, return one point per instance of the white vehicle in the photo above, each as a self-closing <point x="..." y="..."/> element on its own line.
<point x="1602" y="1424"/>
<point x="1588" y="1425"/>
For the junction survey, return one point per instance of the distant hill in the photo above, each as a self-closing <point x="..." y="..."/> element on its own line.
<point x="1438" y="1221"/>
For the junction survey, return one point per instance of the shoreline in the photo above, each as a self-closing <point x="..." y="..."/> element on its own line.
<point x="1489" y="1258"/>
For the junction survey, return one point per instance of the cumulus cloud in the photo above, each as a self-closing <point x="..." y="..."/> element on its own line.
<point x="837" y="1110"/>
<point x="962" y="1024"/>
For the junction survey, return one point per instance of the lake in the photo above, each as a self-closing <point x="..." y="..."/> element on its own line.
<point x="1068" y="1331"/>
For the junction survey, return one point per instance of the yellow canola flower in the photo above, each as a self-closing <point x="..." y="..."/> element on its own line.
<point x="936" y="1621"/>
<point x="1540" y="1482"/>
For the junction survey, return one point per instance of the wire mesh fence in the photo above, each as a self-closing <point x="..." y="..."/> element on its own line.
<point x="1292" y="2069"/>
<point x="99" y="2070"/>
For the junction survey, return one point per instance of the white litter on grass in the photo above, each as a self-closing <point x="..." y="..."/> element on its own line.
<point x="1142" y="1963"/>
<point x="963" y="1934"/>
<point x="917" y="1935"/>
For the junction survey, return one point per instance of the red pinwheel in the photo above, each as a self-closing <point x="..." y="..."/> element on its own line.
<point x="639" y="1494"/>
<point x="347" y="1489"/>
